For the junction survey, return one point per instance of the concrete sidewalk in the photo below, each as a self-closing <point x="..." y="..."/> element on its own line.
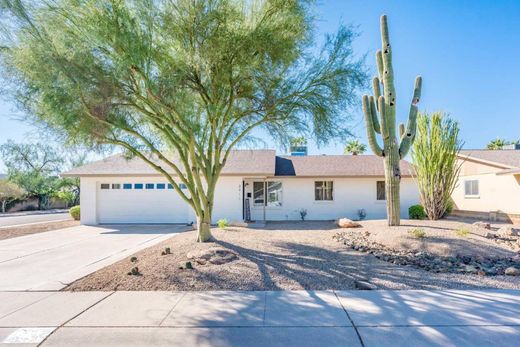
<point x="284" y="318"/>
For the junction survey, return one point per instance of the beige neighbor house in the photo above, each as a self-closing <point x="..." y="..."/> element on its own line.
<point x="489" y="185"/>
<point x="255" y="185"/>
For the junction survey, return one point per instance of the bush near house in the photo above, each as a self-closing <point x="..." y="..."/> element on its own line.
<point x="416" y="212"/>
<point x="75" y="212"/>
<point x="222" y="223"/>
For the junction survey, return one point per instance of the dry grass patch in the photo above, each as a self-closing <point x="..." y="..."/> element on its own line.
<point x="16" y="231"/>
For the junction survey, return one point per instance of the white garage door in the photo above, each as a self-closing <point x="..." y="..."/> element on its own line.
<point x="140" y="203"/>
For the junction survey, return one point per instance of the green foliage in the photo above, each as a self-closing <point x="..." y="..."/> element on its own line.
<point x="188" y="77"/>
<point x="166" y="251"/>
<point x="298" y="141"/>
<point x="75" y="212"/>
<point x="303" y="213"/>
<point x="355" y="147"/>
<point x="498" y="143"/>
<point x="133" y="259"/>
<point x="134" y="272"/>
<point x="435" y="161"/>
<point x="418" y="233"/>
<point x="384" y="104"/>
<point x="188" y="265"/>
<point x="222" y="223"/>
<point x="462" y="232"/>
<point x="34" y="168"/>
<point x="9" y="192"/>
<point x="416" y="212"/>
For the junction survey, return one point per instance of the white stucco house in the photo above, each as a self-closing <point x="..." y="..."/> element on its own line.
<point x="254" y="185"/>
<point x="488" y="185"/>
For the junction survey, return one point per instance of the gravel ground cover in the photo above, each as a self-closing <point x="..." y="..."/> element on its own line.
<point x="296" y="255"/>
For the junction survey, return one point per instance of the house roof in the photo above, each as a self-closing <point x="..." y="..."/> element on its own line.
<point x="506" y="158"/>
<point x="239" y="162"/>
<point x="255" y="163"/>
<point x="334" y="166"/>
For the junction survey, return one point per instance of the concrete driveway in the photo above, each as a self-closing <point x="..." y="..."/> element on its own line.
<point x="7" y="220"/>
<point x="51" y="260"/>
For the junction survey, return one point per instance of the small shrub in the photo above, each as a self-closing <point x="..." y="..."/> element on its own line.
<point x="416" y="212"/>
<point x="188" y="265"/>
<point x="75" y="212"/>
<point x="134" y="272"/>
<point x="462" y="232"/>
<point x="166" y="251"/>
<point x="362" y="213"/>
<point x="222" y="223"/>
<point x="303" y="213"/>
<point x="418" y="233"/>
<point x="133" y="259"/>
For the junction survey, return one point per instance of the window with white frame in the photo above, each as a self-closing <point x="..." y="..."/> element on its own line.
<point x="267" y="193"/>
<point x="274" y="193"/>
<point x="471" y="188"/>
<point x="323" y="191"/>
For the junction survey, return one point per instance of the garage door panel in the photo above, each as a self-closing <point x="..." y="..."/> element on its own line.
<point x="141" y="206"/>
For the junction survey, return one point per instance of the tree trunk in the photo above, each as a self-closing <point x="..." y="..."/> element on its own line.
<point x="204" y="227"/>
<point x="4" y="203"/>
<point x="392" y="184"/>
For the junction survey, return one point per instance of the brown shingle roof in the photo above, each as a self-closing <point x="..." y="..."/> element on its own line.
<point x="505" y="157"/>
<point x="255" y="162"/>
<point x="239" y="162"/>
<point x="334" y="166"/>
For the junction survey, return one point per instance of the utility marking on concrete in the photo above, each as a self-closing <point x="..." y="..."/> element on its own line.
<point x="28" y="335"/>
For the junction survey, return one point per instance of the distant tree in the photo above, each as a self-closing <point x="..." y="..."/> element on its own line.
<point x="34" y="168"/>
<point x="179" y="83"/>
<point x="435" y="161"/>
<point x="497" y="143"/>
<point x="355" y="147"/>
<point x="298" y="141"/>
<point x="9" y="192"/>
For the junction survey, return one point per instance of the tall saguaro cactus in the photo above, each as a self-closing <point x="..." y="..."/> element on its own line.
<point x="394" y="148"/>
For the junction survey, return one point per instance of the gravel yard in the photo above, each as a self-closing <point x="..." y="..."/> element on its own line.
<point x="297" y="255"/>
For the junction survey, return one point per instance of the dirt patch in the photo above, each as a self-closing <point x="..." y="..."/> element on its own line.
<point x="15" y="231"/>
<point x="281" y="256"/>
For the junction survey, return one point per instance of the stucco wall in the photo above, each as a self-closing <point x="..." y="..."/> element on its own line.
<point x="496" y="192"/>
<point x="350" y="195"/>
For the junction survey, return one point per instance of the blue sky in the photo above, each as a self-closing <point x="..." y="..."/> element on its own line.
<point x="468" y="53"/>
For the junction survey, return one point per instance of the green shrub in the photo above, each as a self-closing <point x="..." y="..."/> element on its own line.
<point x="222" y="223"/>
<point x="75" y="212"/>
<point x="418" y="233"/>
<point x="416" y="212"/>
<point x="462" y="232"/>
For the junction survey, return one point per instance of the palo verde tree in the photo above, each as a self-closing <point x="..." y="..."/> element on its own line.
<point x="394" y="149"/>
<point x="435" y="161"/>
<point x="179" y="83"/>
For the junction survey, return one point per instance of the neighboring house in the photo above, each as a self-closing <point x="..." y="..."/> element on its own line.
<point x="117" y="190"/>
<point x="489" y="185"/>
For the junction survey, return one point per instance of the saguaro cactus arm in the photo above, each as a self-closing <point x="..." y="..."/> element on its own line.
<point x="408" y="137"/>
<point x="369" y="111"/>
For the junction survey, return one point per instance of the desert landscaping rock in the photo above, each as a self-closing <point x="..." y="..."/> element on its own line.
<point x="347" y="223"/>
<point x="483" y="225"/>
<point x="215" y="256"/>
